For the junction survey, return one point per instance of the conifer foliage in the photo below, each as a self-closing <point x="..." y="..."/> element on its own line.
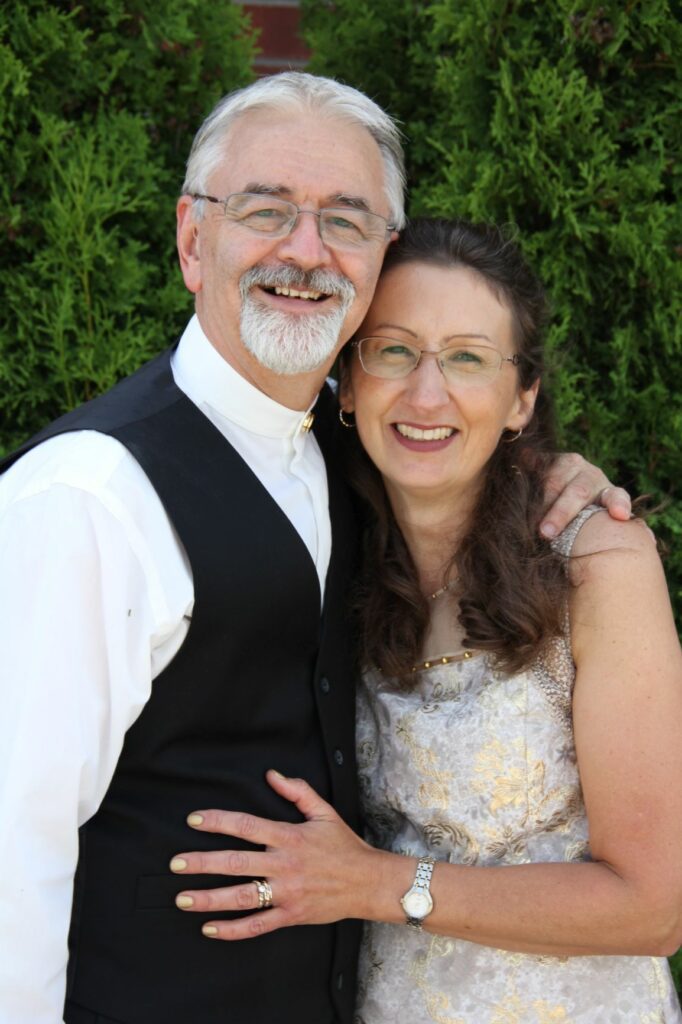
<point x="98" y="105"/>
<point x="562" y="119"/>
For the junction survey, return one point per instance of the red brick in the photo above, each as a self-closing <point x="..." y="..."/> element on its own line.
<point x="279" y="40"/>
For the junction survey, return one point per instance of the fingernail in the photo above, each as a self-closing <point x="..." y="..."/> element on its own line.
<point x="278" y="774"/>
<point x="195" y="819"/>
<point x="178" y="864"/>
<point x="548" y="530"/>
<point x="210" y="930"/>
<point x="184" y="902"/>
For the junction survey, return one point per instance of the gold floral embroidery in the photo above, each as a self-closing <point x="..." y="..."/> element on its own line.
<point x="514" y="777"/>
<point x="505" y="782"/>
<point x="454" y="837"/>
<point x="506" y="843"/>
<point x="513" y="843"/>
<point x="434" y="790"/>
<point x="437" y="1003"/>
<point x="579" y="849"/>
<point x="448" y="690"/>
<point x="515" y="1011"/>
<point x="549" y="1014"/>
<point x="510" y="1012"/>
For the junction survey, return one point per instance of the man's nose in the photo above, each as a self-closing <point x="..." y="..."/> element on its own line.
<point x="303" y="245"/>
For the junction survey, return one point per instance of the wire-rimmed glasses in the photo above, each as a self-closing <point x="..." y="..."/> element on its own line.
<point x="467" y="362"/>
<point x="343" y="227"/>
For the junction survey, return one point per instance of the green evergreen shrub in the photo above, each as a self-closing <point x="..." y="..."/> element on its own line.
<point x="562" y="119"/>
<point x="98" y="106"/>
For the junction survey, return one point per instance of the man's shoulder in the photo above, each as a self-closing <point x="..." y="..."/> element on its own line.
<point x="85" y="460"/>
<point x="135" y="397"/>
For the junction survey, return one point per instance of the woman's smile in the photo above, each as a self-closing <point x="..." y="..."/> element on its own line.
<point x="432" y="428"/>
<point x="423" y="438"/>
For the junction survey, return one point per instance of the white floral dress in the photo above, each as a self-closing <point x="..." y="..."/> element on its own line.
<point x="477" y="767"/>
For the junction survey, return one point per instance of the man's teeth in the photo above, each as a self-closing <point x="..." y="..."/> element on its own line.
<point x="432" y="434"/>
<point x="293" y="294"/>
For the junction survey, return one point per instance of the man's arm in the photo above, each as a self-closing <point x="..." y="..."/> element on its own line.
<point x="572" y="483"/>
<point x="76" y="617"/>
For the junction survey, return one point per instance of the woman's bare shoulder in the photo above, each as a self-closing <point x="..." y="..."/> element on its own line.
<point x="601" y="534"/>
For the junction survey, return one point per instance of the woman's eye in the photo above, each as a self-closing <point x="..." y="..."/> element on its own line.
<point x="395" y="350"/>
<point x="458" y="356"/>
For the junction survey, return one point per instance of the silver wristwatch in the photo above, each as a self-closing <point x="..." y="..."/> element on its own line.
<point x="417" y="901"/>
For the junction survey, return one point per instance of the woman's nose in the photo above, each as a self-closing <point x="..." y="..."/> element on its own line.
<point x="427" y="385"/>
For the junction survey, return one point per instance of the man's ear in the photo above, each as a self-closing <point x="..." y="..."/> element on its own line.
<point x="187" y="236"/>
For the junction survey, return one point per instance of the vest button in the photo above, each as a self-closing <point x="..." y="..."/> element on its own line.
<point x="325" y="685"/>
<point x="338" y="757"/>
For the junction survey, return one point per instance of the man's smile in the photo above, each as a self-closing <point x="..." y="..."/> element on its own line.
<point x="292" y="293"/>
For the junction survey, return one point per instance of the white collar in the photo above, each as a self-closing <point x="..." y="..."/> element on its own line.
<point x="208" y="380"/>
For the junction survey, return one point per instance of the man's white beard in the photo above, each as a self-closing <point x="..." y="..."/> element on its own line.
<point x="287" y="343"/>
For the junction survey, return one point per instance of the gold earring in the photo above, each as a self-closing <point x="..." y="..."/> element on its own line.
<point x="510" y="440"/>
<point x="349" y="425"/>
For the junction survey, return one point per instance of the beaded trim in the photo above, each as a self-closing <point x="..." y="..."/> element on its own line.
<point x="445" y="660"/>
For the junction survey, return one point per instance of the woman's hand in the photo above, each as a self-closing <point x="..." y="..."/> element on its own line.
<point x="572" y="483"/>
<point x="317" y="869"/>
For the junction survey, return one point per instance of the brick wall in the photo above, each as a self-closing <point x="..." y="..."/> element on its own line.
<point x="281" y="46"/>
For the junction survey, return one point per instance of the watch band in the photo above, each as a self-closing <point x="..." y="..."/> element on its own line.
<point x="422" y="876"/>
<point x="420" y="892"/>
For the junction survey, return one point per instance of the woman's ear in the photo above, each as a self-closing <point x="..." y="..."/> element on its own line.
<point x="524" y="407"/>
<point x="346" y="398"/>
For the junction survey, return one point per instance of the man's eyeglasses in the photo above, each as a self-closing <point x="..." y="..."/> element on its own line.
<point x="467" y="363"/>
<point x="340" y="228"/>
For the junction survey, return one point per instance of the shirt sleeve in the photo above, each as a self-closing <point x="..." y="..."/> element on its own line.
<point x="83" y="617"/>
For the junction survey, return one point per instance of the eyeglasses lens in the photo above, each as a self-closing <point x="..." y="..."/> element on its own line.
<point x="341" y="228"/>
<point x="466" y="364"/>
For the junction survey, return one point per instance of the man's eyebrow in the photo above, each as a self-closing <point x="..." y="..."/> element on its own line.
<point x="343" y="199"/>
<point x="260" y="188"/>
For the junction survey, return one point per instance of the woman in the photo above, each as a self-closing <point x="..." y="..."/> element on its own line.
<point x="520" y="714"/>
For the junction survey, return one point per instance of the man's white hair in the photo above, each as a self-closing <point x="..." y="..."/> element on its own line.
<point x="298" y="91"/>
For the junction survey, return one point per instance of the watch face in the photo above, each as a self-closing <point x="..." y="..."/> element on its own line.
<point x="417" y="904"/>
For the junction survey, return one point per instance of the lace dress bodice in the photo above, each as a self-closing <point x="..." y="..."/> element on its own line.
<point x="479" y="768"/>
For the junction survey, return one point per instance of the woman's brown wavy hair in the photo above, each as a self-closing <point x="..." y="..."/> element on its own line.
<point x="513" y="585"/>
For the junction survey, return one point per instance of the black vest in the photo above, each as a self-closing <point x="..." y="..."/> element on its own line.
<point x="261" y="681"/>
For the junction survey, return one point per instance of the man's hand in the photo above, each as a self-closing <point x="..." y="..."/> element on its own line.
<point x="572" y="483"/>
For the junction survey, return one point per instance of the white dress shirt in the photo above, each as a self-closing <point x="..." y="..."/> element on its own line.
<point x="94" y="593"/>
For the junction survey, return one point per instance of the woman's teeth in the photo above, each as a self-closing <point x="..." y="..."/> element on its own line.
<point x="432" y="434"/>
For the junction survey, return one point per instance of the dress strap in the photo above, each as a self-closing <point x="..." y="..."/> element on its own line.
<point x="554" y="671"/>
<point x="563" y="544"/>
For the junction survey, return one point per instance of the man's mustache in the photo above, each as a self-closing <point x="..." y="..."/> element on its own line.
<point x="316" y="280"/>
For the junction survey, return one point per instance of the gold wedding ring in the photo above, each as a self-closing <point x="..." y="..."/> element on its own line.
<point x="264" y="893"/>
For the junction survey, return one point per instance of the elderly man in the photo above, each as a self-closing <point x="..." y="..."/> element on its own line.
<point x="192" y="553"/>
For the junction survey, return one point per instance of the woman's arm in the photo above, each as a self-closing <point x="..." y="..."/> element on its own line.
<point x="628" y="723"/>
